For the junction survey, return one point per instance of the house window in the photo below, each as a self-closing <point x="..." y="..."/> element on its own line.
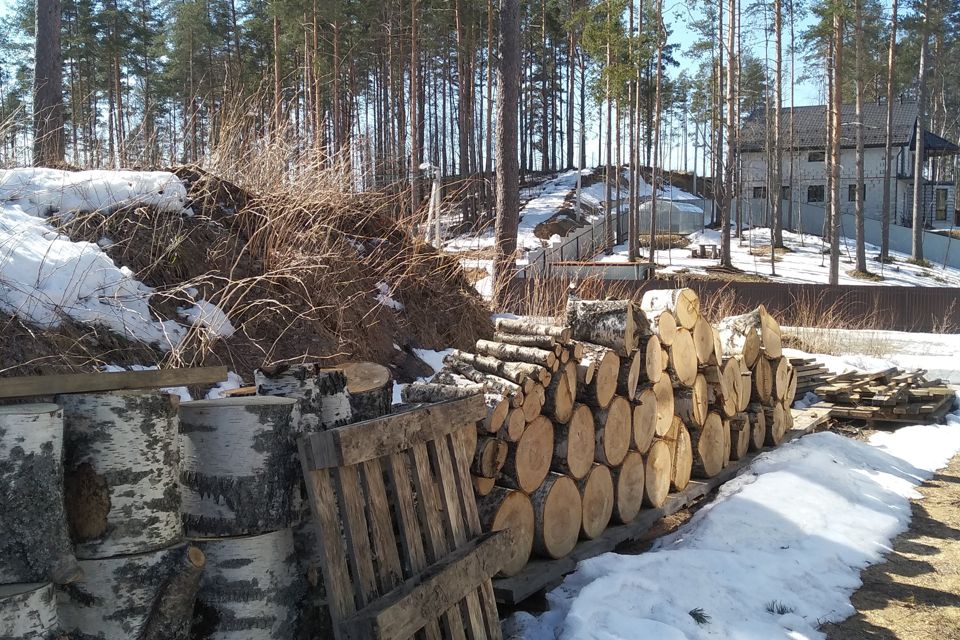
<point x="852" y="193"/>
<point x="784" y="193"/>
<point x="815" y="193"/>
<point x="816" y="156"/>
<point x="759" y="193"/>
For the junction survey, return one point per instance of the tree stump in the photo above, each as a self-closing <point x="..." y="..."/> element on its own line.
<point x="659" y="468"/>
<point x="324" y="399"/>
<point x="240" y="472"/>
<point x="558" y="510"/>
<point x="506" y="508"/>
<point x="574" y="446"/>
<point x="250" y="588"/>
<point x="614" y="431"/>
<point x="370" y="386"/>
<point x="121" y="474"/>
<point x="34" y="536"/>
<point x="28" y="611"/>
<point x="644" y="419"/>
<point x="628" y="480"/>
<point x="528" y="459"/>
<point x="596" y="496"/>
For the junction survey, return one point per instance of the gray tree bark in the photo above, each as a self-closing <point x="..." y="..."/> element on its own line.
<point x="918" y="159"/>
<point x="48" y="136"/>
<point x="28" y="611"/>
<point x="888" y="146"/>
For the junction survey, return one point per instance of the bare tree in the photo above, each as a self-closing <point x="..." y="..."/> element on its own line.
<point x="414" y="116"/>
<point x="835" y="108"/>
<point x="888" y="148"/>
<point x="858" y="101"/>
<point x="918" y="154"/>
<point x="48" y="137"/>
<point x="776" y="178"/>
<point x="729" y="187"/>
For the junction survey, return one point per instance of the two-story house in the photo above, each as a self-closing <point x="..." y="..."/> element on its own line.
<point x="807" y="158"/>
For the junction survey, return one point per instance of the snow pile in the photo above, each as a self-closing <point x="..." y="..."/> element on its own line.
<point x="208" y="315"/>
<point x="233" y="381"/>
<point x="778" y="553"/>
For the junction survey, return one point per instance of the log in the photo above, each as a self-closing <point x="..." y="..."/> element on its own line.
<point x="516" y="372"/>
<point x="683" y="358"/>
<point x="526" y="326"/>
<point x="787" y="417"/>
<point x="172" y="614"/>
<point x="628" y="481"/>
<point x="483" y="486"/>
<point x="324" y="399"/>
<point x="628" y="376"/>
<point x="733" y="381"/>
<point x="503" y="509"/>
<point x="722" y="385"/>
<point x="526" y="340"/>
<point x="781" y="371"/>
<point x="250" y="588"/>
<point x="684" y="304"/>
<point x="489" y="456"/>
<point x="791" y="394"/>
<point x="663" y="391"/>
<point x="708" y="444"/>
<point x="118" y="596"/>
<point x="739" y="436"/>
<point x="762" y="391"/>
<point x="750" y="333"/>
<point x="727" y="441"/>
<point x="652" y="360"/>
<point x="659" y="468"/>
<point x="746" y="384"/>
<point x="717" y="357"/>
<point x="614" y="431"/>
<point x="533" y="403"/>
<point x="28" y="611"/>
<point x="776" y="424"/>
<point x="513" y="353"/>
<point x="455" y="387"/>
<point x="663" y="325"/>
<point x="559" y="397"/>
<point x="599" y="391"/>
<point x="239" y="473"/>
<point x="34" y="535"/>
<point x="513" y="426"/>
<point x="121" y="472"/>
<point x="644" y="419"/>
<point x="574" y="444"/>
<point x="758" y="427"/>
<point x="665" y="356"/>
<point x="557" y="512"/>
<point x="596" y="497"/>
<point x="370" y="386"/>
<point x="681" y="455"/>
<point x="528" y="459"/>
<point x="691" y="404"/>
<point x="703" y="341"/>
<point x="492" y="382"/>
<point x="617" y="324"/>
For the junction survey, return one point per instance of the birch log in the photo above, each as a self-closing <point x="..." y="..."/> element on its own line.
<point x="683" y="303"/>
<point x="34" y="536"/>
<point x="628" y="481"/>
<point x="559" y="397"/>
<point x="659" y="467"/>
<point x="617" y="324"/>
<point x="683" y="358"/>
<point x="749" y="332"/>
<point x="652" y="360"/>
<point x="762" y="382"/>
<point x="682" y="455"/>
<point x="739" y="436"/>
<point x="117" y="596"/>
<point x="526" y="340"/>
<point x="558" y="510"/>
<point x="370" y="387"/>
<point x="691" y="404"/>
<point x="746" y="384"/>
<point x="663" y="391"/>
<point x="240" y="472"/>
<point x="28" y="611"/>
<point x="503" y="509"/>
<point x="513" y="353"/>
<point x="596" y="497"/>
<point x="703" y="341"/>
<point x="663" y="324"/>
<point x="614" y="431"/>
<point x="776" y="424"/>
<point x="528" y="459"/>
<point x="513" y="426"/>
<point x="324" y="399"/>
<point x="628" y="376"/>
<point x="599" y="390"/>
<point x="121" y="474"/>
<point x="250" y="588"/>
<point x="758" y="427"/>
<point x="644" y="420"/>
<point x="516" y="372"/>
<point x="709" y="447"/>
<point x="528" y="326"/>
<point x="574" y="446"/>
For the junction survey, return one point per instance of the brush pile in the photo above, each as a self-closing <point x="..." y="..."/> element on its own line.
<point x="612" y="409"/>
<point x="890" y="396"/>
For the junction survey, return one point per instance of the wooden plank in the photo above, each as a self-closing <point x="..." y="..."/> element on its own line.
<point x="27" y="386"/>
<point x="389" y="574"/>
<point x="361" y="441"/>
<point x="400" y="613"/>
<point x="347" y="484"/>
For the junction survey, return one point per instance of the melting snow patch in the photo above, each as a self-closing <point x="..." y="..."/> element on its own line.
<point x="208" y="315"/>
<point x="180" y="392"/>
<point x="233" y="381"/>
<point x="384" y="297"/>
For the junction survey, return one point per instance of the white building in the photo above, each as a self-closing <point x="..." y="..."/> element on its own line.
<point x="807" y="183"/>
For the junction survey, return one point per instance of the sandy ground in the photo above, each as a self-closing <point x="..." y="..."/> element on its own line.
<point x="915" y="594"/>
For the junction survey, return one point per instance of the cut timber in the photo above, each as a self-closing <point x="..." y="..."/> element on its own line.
<point x="599" y="391"/>
<point x="717" y="346"/>
<point x="51" y="385"/>
<point x="506" y="508"/>
<point x="463" y="374"/>
<point x="683" y="303"/>
<point x="614" y="431"/>
<point x="557" y="513"/>
<point x="524" y="340"/>
<point x="776" y="424"/>
<point x="782" y="372"/>
<point x="324" y="399"/>
<point x="770" y="335"/>
<point x="758" y="427"/>
<point x="596" y="496"/>
<point x="663" y="324"/>
<point x="727" y="441"/>
<point x="659" y="467"/>
<point x="559" y="398"/>
<point x="528" y="459"/>
<point x="249" y="588"/>
<point x="629" y="374"/>
<point x="703" y="341"/>
<point x="683" y="358"/>
<point x="722" y="388"/>
<point x="644" y="419"/>
<point x="628" y="481"/>
<point x="663" y="391"/>
<point x="370" y="386"/>
<point x="483" y="486"/>
<point x="28" y="611"/>
<point x="617" y="324"/>
<point x="533" y="403"/>
<point x="708" y="444"/>
<point x="751" y="333"/>
<point x="740" y="434"/>
<point x="746" y="384"/>
<point x="733" y="384"/>
<point x="527" y="326"/>
<point x="489" y="456"/>
<point x="116" y="596"/>
<point x="682" y="457"/>
<point x="238" y="473"/>
<point x="787" y="417"/>
<point x="513" y="426"/>
<point x="34" y="536"/>
<point x="652" y="360"/>
<point x="691" y="404"/>
<point x="762" y="391"/>
<point x="574" y="445"/>
<point x="516" y="372"/>
<point x="121" y="473"/>
<point x="513" y="353"/>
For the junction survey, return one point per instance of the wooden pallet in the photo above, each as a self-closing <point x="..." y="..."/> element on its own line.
<point x="889" y="396"/>
<point x="542" y="574"/>
<point x="400" y="536"/>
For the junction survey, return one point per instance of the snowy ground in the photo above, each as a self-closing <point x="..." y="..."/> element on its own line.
<point x="805" y="262"/>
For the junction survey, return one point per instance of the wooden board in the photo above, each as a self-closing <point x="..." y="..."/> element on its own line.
<point x="28" y="386"/>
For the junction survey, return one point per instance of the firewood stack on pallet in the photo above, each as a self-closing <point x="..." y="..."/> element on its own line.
<point x="589" y="420"/>
<point x="889" y="396"/>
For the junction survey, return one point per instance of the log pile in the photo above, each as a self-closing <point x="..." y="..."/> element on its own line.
<point x="591" y="418"/>
<point x="891" y="396"/>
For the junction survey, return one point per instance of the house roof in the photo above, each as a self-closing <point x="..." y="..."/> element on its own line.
<point x="810" y="128"/>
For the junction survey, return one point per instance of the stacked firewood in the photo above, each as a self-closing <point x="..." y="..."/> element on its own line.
<point x="590" y="419"/>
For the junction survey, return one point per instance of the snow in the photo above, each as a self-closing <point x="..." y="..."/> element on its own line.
<point x="804" y="263"/>
<point x="793" y="530"/>
<point x="383" y="297"/>
<point x="233" y="381"/>
<point x="208" y="315"/>
<point x="430" y="357"/>
<point x="181" y="392"/>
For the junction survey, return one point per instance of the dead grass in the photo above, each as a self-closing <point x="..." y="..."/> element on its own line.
<point x="865" y="275"/>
